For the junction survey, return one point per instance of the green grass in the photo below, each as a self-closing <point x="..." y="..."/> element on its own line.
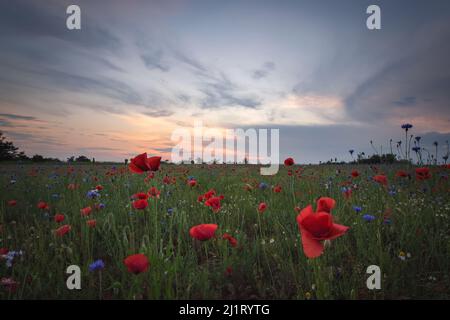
<point x="267" y="264"/>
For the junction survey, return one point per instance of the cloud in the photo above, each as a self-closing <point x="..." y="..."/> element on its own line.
<point x="17" y="117"/>
<point x="158" y="113"/>
<point x="414" y="86"/>
<point x="264" y="70"/>
<point x="405" y="101"/>
<point x="154" y="60"/>
<point x="28" y="19"/>
<point x="221" y="92"/>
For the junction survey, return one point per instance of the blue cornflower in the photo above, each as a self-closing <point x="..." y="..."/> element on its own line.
<point x="96" y="265"/>
<point x="357" y="209"/>
<point x="368" y="217"/>
<point x="55" y="196"/>
<point x="101" y="206"/>
<point x="407" y="126"/>
<point x="191" y="178"/>
<point x="169" y="211"/>
<point x="92" y="194"/>
<point x="263" y="186"/>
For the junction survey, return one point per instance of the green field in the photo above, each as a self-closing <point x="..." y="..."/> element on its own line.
<point x="408" y="236"/>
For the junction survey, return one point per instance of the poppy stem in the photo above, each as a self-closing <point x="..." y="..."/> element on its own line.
<point x="100" y="295"/>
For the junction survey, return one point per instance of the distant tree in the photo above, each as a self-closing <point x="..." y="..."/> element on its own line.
<point x="82" y="159"/>
<point x="37" y="158"/>
<point x="126" y="161"/>
<point x="7" y="149"/>
<point x="71" y="159"/>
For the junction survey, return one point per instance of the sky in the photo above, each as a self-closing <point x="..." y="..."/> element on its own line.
<point x="137" y="70"/>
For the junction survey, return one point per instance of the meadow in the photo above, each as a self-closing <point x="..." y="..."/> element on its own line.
<point x="54" y="216"/>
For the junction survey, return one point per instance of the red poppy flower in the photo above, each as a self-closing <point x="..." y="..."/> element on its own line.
<point x="277" y="189"/>
<point x="347" y="193"/>
<point x="325" y="204"/>
<point x="214" y="203"/>
<point x="316" y="227"/>
<point x="91" y="223"/>
<point x="149" y="177"/>
<point x="262" y="207"/>
<point x="3" y="251"/>
<point x="228" y="271"/>
<point x="72" y="186"/>
<point x="59" y="217"/>
<point x="381" y="179"/>
<point x="137" y="263"/>
<point x="86" y="211"/>
<point x="141" y="163"/>
<point x="200" y="198"/>
<point x="140" y="195"/>
<point x="288" y="162"/>
<point x="63" y="230"/>
<point x="99" y="187"/>
<point x="203" y="232"/>
<point x="401" y="174"/>
<point x="12" y="203"/>
<point x="423" y="174"/>
<point x="355" y="173"/>
<point x="289" y="173"/>
<point x="231" y="240"/>
<point x="154" y="192"/>
<point x="209" y="194"/>
<point x="140" y="204"/>
<point x="192" y="183"/>
<point x="43" y="206"/>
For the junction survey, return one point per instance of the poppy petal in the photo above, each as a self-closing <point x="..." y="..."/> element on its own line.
<point x="337" y="230"/>
<point x="311" y="247"/>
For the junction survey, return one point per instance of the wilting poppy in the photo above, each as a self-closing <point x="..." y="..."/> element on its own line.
<point x="136" y="263"/>
<point x="401" y="174"/>
<point x="262" y="207"/>
<point x="154" y="192"/>
<point x="91" y="223"/>
<point x="214" y="203"/>
<point x="423" y="174"/>
<point x="72" y="186"/>
<point x="86" y="211"/>
<point x="12" y="203"/>
<point x="140" y="204"/>
<point x="288" y="162"/>
<point x="141" y="163"/>
<point x="228" y="271"/>
<point x="381" y="179"/>
<point x="43" y="205"/>
<point x="277" y="189"/>
<point x="233" y="242"/>
<point x="63" y="230"/>
<point x="316" y="227"/>
<point x="59" y="217"/>
<point x="203" y="232"/>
